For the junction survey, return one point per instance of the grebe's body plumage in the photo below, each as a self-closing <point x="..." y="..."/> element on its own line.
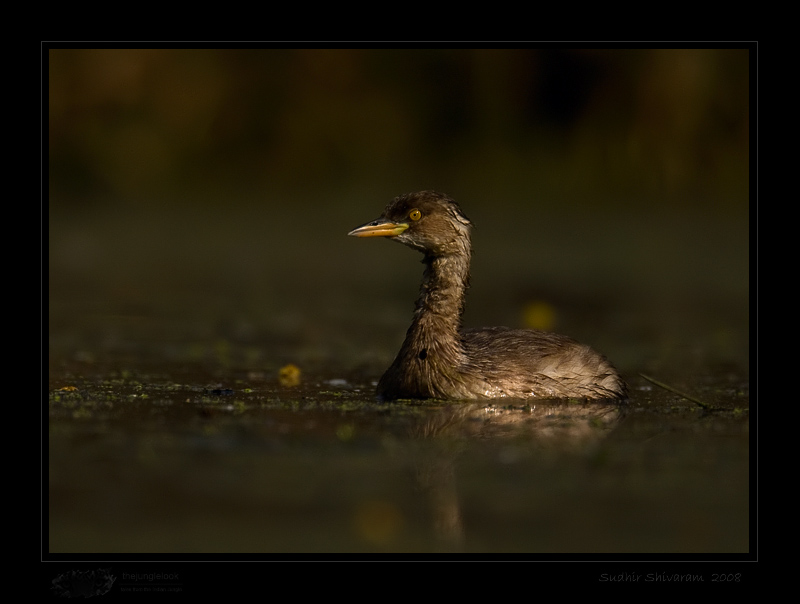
<point x="439" y="359"/>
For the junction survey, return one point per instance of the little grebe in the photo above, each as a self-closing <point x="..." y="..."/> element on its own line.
<point x="438" y="359"/>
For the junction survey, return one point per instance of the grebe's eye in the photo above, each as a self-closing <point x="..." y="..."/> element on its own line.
<point x="415" y="214"/>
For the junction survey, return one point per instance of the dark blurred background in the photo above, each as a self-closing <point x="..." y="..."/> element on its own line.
<point x="583" y="126"/>
<point x="217" y="186"/>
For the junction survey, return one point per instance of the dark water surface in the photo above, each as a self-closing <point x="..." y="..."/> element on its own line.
<point x="168" y="429"/>
<point x="164" y="468"/>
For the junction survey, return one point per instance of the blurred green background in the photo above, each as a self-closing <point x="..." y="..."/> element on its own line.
<point x="551" y="125"/>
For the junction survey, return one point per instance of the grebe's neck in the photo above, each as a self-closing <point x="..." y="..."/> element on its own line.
<point x="437" y="317"/>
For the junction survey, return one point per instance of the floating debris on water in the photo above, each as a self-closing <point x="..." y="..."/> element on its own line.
<point x="289" y="375"/>
<point x="539" y="315"/>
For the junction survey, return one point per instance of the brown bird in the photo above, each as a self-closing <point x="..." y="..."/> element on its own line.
<point x="439" y="359"/>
